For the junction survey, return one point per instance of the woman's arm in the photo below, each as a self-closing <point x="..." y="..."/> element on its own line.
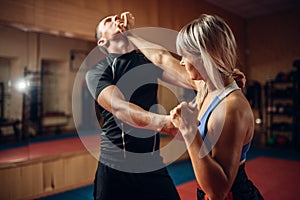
<point x="174" y="73"/>
<point x="215" y="169"/>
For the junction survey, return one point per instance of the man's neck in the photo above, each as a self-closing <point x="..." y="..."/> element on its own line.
<point x="120" y="45"/>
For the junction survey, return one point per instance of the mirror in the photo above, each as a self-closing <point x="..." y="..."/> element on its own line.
<point x="9" y="124"/>
<point x="36" y="83"/>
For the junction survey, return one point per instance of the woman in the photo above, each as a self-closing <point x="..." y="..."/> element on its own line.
<point x="219" y="127"/>
<point x="208" y="50"/>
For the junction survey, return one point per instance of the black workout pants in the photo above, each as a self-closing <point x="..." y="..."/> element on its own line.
<point x="111" y="184"/>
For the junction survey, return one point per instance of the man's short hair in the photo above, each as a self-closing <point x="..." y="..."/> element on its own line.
<point x="98" y="35"/>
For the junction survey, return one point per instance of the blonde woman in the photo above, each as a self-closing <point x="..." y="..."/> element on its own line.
<point x="218" y="129"/>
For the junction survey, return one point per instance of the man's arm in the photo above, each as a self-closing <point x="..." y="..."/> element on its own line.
<point x="112" y="99"/>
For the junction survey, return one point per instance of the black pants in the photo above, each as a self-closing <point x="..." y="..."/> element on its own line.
<point x="111" y="184"/>
<point x="242" y="189"/>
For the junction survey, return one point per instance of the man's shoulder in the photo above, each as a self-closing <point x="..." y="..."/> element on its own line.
<point x="97" y="68"/>
<point x="101" y="63"/>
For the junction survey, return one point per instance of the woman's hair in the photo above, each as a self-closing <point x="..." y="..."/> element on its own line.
<point x="211" y="39"/>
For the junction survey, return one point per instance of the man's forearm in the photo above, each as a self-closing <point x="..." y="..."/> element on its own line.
<point x="138" y="117"/>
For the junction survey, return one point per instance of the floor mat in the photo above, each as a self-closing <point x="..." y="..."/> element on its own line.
<point x="275" y="178"/>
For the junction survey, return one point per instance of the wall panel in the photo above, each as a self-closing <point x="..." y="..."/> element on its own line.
<point x="48" y="175"/>
<point x="273" y="45"/>
<point x="80" y="18"/>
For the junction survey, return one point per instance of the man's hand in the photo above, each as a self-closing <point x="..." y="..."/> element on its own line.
<point x="170" y="129"/>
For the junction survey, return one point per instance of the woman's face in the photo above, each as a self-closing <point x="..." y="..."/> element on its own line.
<point x="193" y="66"/>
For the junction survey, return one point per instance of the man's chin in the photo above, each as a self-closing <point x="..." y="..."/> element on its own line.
<point x="119" y="35"/>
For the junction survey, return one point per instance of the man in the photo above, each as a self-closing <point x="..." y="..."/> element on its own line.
<point x="124" y="85"/>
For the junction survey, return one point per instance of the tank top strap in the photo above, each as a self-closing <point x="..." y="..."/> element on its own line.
<point x="227" y="90"/>
<point x="215" y="102"/>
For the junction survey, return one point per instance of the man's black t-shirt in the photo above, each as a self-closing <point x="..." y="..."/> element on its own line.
<point x="137" y="78"/>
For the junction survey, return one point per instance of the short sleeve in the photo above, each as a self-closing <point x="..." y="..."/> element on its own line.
<point x="98" y="78"/>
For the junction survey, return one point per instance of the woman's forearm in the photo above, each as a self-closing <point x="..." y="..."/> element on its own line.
<point x="154" y="52"/>
<point x="209" y="173"/>
<point x="174" y="73"/>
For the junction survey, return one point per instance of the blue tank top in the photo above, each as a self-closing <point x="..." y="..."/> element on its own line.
<point x="203" y="121"/>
